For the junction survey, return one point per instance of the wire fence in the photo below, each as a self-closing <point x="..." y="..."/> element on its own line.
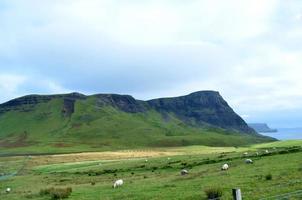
<point x="291" y="195"/>
<point x="295" y="195"/>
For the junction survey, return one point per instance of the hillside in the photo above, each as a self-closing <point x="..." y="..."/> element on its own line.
<point x="76" y="122"/>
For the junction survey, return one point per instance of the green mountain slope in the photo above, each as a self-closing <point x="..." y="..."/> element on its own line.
<point x="75" y="122"/>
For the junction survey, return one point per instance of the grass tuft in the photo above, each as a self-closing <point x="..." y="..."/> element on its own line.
<point x="213" y="193"/>
<point x="56" y="193"/>
<point x="268" y="177"/>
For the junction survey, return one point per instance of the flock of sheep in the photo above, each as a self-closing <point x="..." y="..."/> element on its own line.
<point x="183" y="172"/>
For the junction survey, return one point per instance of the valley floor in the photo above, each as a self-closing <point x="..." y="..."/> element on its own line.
<point x="155" y="173"/>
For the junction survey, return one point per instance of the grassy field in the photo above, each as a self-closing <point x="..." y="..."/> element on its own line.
<point x="155" y="173"/>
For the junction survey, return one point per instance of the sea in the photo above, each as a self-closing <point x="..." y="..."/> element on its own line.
<point x="286" y="134"/>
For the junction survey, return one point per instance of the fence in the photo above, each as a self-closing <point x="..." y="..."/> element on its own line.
<point x="296" y="194"/>
<point x="286" y="196"/>
<point x="236" y="195"/>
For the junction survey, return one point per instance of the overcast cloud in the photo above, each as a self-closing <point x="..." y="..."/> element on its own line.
<point x="250" y="51"/>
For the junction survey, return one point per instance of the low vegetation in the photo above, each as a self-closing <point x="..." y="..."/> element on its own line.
<point x="56" y="193"/>
<point x="159" y="177"/>
<point x="213" y="193"/>
<point x="268" y="177"/>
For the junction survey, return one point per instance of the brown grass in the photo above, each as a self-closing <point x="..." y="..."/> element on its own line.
<point x="93" y="156"/>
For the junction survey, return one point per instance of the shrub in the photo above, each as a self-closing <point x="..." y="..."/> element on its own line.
<point x="166" y="167"/>
<point x="46" y="191"/>
<point x="213" y="193"/>
<point x="268" y="177"/>
<point x="184" y="164"/>
<point x="154" y="168"/>
<point x="57" y="193"/>
<point x="92" y="183"/>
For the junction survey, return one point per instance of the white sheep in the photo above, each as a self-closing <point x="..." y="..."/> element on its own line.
<point x="225" y="167"/>
<point x="146" y="160"/>
<point x="118" y="183"/>
<point x="184" y="172"/>
<point x="8" y="190"/>
<point x="245" y="153"/>
<point x="266" y="151"/>
<point x="248" y="161"/>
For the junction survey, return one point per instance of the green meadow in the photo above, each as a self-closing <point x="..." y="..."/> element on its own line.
<point x="155" y="173"/>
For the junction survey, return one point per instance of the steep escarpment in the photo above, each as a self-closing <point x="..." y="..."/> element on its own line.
<point x="77" y="122"/>
<point x="202" y="108"/>
<point x="124" y="103"/>
<point x="28" y="103"/>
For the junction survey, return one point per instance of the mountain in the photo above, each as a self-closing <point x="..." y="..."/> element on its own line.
<point x="76" y="122"/>
<point x="261" y="128"/>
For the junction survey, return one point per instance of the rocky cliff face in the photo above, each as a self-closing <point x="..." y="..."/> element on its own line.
<point x="204" y="108"/>
<point x="28" y="103"/>
<point x="125" y="103"/>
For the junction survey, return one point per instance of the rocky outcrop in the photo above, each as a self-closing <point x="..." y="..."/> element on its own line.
<point x="202" y="108"/>
<point x="125" y="103"/>
<point x="27" y="103"/>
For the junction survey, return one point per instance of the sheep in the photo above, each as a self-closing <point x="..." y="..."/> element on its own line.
<point x="245" y="153"/>
<point x="248" y="161"/>
<point x="8" y="190"/>
<point x="225" y="167"/>
<point x="146" y="160"/>
<point x="266" y="151"/>
<point x="118" y="183"/>
<point x="184" y="172"/>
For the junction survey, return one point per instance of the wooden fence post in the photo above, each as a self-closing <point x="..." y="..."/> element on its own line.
<point x="237" y="194"/>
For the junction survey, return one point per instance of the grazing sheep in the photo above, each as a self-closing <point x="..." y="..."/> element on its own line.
<point x="118" y="183"/>
<point x="245" y="153"/>
<point x="266" y="151"/>
<point x="8" y="190"/>
<point x="184" y="172"/>
<point x="225" y="167"/>
<point x="146" y="160"/>
<point x="248" y="161"/>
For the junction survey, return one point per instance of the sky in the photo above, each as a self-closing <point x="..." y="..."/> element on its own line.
<point x="250" y="51"/>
